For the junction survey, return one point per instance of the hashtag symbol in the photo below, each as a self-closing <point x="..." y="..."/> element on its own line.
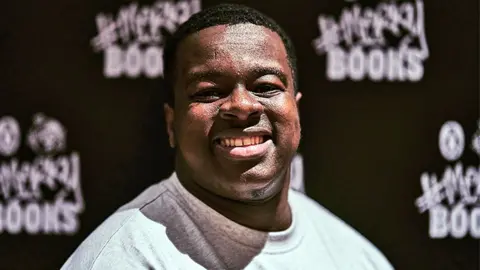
<point x="432" y="193"/>
<point x="107" y="33"/>
<point x="329" y="35"/>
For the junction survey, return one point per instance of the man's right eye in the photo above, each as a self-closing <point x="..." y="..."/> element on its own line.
<point x="207" y="95"/>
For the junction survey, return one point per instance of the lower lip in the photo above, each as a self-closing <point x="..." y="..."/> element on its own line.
<point x="244" y="152"/>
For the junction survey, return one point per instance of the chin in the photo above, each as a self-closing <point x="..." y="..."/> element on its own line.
<point x="255" y="187"/>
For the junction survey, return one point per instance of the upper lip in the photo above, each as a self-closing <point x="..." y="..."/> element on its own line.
<point x="243" y="132"/>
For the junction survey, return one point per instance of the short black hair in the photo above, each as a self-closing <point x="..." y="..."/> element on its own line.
<point x="222" y="14"/>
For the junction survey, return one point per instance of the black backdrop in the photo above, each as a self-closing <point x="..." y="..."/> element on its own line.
<point x="365" y="144"/>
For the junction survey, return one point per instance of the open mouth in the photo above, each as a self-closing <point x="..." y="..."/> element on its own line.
<point x="243" y="147"/>
<point x="242" y="141"/>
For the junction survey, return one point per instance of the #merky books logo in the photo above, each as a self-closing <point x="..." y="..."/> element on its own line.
<point x="382" y="43"/>
<point x="132" y="40"/>
<point x="41" y="196"/>
<point x="452" y="199"/>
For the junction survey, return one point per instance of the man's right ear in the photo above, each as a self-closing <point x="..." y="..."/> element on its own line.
<point x="169" y="120"/>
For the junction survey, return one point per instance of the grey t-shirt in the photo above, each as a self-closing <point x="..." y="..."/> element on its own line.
<point x="166" y="227"/>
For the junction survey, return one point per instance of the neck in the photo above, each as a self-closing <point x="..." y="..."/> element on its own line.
<point x="272" y="214"/>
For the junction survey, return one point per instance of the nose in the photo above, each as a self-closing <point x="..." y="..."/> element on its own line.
<point x="241" y="105"/>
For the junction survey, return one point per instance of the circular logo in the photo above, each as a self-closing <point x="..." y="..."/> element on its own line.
<point x="476" y="140"/>
<point x="451" y="140"/>
<point x="9" y="136"/>
<point x="47" y="135"/>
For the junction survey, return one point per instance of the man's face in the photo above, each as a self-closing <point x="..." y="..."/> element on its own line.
<point x="235" y="123"/>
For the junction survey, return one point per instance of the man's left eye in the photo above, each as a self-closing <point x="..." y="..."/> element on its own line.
<point x="267" y="89"/>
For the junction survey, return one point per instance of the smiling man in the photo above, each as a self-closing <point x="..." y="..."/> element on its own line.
<point x="233" y="120"/>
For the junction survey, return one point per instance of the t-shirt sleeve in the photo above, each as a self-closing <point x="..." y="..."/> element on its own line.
<point x="347" y="245"/>
<point x="375" y="259"/>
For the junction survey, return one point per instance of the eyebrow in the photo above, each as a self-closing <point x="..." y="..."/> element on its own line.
<point x="262" y="71"/>
<point x="196" y="76"/>
<point x="257" y="72"/>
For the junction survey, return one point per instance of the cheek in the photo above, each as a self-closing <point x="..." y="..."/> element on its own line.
<point x="288" y="124"/>
<point x="294" y="130"/>
<point x="195" y="124"/>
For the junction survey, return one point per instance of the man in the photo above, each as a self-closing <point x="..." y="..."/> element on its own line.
<point x="233" y="119"/>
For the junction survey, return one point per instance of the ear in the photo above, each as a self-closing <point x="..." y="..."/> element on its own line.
<point x="169" y="120"/>
<point x="298" y="96"/>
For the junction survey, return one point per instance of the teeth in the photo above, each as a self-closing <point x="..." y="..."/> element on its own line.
<point x="242" y="141"/>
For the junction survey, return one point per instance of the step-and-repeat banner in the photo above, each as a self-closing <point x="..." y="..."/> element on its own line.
<point x="390" y="117"/>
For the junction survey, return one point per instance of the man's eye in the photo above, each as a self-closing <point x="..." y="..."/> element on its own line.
<point x="207" y="95"/>
<point x="267" y="89"/>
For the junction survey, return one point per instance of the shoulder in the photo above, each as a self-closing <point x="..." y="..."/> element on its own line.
<point x="113" y="239"/>
<point x="340" y="238"/>
<point x="127" y="238"/>
<point x="90" y="249"/>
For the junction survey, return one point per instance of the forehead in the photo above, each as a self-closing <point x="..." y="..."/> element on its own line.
<point x="238" y="47"/>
